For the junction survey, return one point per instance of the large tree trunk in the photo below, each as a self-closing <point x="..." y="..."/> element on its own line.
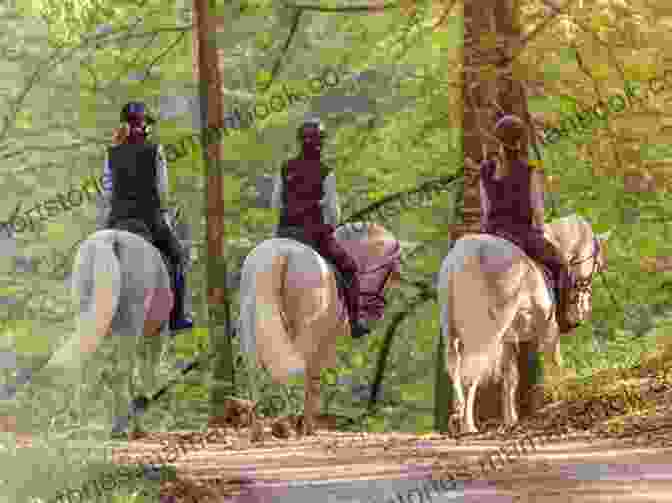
<point x="212" y="120"/>
<point x="491" y="31"/>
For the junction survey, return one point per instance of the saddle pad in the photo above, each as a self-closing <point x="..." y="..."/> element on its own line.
<point x="158" y="303"/>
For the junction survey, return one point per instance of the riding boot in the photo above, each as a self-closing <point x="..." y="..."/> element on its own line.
<point x="358" y="327"/>
<point x="178" y="318"/>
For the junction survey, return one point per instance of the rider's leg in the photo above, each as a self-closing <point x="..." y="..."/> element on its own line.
<point x="329" y="246"/>
<point x="167" y="242"/>
<point x="539" y="248"/>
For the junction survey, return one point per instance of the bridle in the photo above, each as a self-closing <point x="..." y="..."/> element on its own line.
<point x="584" y="284"/>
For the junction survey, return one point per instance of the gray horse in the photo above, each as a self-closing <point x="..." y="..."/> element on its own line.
<point x="493" y="296"/>
<point x="290" y="311"/>
<point x="122" y="297"/>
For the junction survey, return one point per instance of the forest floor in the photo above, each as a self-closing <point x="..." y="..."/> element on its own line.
<point x="622" y="454"/>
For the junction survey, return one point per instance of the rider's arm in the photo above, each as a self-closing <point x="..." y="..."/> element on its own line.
<point x="276" y="198"/>
<point x="162" y="176"/>
<point x="537" y="197"/>
<point x="107" y="178"/>
<point x="331" y="212"/>
<point x="485" y="202"/>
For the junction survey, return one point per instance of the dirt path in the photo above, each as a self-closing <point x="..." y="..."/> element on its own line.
<point x="587" y="469"/>
<point x="578" y="456"/>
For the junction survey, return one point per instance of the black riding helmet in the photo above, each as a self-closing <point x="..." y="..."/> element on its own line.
<point x="136" y="109"/>
<point x="136" y="112"/>
<point x="311" y="123"/>
<point x="510" y="131"/>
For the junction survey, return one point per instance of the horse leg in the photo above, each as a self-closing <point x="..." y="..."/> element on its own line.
<point x="149" y="356"/>
<point x="311" y="405"/>
<point x="453" y="362"/>
<point x="551" y="347"/>
<point x="465" y="407"/>
<point x="511" y="380"/>
<point x="468" y="424"/>
<point x="124" y="362"/>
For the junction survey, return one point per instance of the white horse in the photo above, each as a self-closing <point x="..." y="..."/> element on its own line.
<point x="290" y="314"/>
<point x="122" y="295"/>
<point x="492" y="296"/>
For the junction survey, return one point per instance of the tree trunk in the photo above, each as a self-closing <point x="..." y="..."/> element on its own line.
<point x="491" y="31"/>
<point x="212" y="119"/>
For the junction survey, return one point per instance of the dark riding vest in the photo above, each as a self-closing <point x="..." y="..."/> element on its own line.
<point x="302" y="190"/>
<point x="509" y="203"/>
<point x="134" y="191"/>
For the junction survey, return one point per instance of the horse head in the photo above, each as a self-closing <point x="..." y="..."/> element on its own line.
<point x="586" y="256"/>
<point x="377" y="253"/>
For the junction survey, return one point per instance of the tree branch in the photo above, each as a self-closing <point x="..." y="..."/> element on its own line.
<point x="278" y="62"/>
<point x="358" y="8"/>
<point x="376" y="206"/>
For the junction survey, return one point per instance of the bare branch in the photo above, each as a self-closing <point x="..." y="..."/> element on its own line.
<point x="179" y="39"/>
<point x="358" y="8"/>
<point x="278" y="62"/>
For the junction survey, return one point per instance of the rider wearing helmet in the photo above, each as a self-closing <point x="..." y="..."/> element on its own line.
<point x="512" y="207"/>
<point x="135" y="173"/>
<point x="305" y="193"/>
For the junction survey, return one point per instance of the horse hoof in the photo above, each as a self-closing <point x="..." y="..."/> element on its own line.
<point x="281" y="428"/>
<point x="256" y="431"/>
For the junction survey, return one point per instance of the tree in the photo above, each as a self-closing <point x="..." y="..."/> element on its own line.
<point x="212" y="120"/>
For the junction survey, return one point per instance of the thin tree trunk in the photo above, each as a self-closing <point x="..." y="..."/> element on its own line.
<point x="212" y="120"/>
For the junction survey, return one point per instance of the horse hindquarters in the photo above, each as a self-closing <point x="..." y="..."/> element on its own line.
<point x="477" y="310"/>
<point x="262" y="326"/>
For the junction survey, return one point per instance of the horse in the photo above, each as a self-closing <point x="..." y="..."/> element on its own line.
<point x="122" y="295"/>
<point x="493" y="296"/>
<point x="290" y="311"/>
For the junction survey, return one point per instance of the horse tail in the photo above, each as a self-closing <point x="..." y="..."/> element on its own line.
<point x="96" y="287"/>
<point x="107" y="283"/>
<point x="478" y="308"/>
<point x="262" y="324"/>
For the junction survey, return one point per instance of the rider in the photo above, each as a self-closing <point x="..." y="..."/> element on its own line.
<point x="512" y="206"/>
<point x="305" y="193"/>
<point x="134" y="175"/>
